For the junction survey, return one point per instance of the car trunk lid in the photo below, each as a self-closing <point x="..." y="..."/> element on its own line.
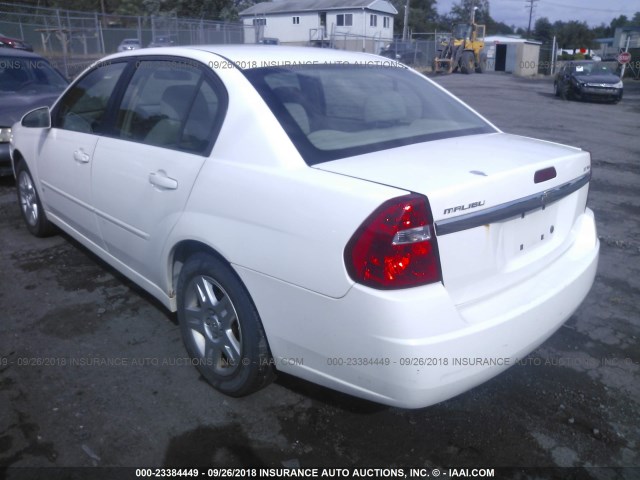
<point x="495" y="225"/>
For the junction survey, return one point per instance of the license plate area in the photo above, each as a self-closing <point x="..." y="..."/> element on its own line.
<point x="529" y="232"/>
<point x="601" y="91"/>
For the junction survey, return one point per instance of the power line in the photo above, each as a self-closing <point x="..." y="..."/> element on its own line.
<point x="581" y="7"/>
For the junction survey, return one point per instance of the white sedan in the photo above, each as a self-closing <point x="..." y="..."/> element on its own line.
<point x="333" y="215"/>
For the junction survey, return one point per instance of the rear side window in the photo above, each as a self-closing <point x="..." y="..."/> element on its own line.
<point x="83" y="107"/>
<point x="171" y="104"/>
<point x="336" y="111"/>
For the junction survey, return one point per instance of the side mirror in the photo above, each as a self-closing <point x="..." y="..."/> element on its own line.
<point x="38" y="118"/>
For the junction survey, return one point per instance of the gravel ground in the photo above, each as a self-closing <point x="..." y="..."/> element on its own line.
<point x="573" y="403"/>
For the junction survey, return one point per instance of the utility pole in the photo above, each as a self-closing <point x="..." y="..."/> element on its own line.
<point x="405" y="27"/>
<point x="530" y="4"/>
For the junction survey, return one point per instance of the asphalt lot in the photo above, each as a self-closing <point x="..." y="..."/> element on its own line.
<point x="574" y="403"/>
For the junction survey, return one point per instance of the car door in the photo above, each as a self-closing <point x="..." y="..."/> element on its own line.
<point x="65" y="160"/>
<point x="143" y="172"/>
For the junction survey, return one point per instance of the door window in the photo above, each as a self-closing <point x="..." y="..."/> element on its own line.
<point x="83" y="107"/>
<point x="171" y="104"/>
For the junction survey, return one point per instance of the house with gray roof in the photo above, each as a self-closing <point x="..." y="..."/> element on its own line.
<point x="362" y="25"/>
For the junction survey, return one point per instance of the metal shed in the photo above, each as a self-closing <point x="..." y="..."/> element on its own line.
<point x="512" y="55"/>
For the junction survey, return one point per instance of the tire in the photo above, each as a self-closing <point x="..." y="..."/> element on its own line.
<point x="565" y="92"/>
<point x="556" y="90"/>
<point x="221" y="328"/>
<point x="30" y="205"/>
<point x="482" y="66"/>
<point x="467" y="62"/>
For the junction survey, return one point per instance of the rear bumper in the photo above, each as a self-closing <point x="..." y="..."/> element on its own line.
<point x="413" y="348"/>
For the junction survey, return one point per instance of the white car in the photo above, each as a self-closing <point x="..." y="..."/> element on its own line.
<point x="329" y="214"/>
<point x="129" y="44"/>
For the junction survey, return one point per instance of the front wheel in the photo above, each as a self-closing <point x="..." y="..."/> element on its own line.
<point x="564" y="91"/>
<point x="221" y="328"/>
<point x="30" y="205"/>
<point x="467" y="62"/>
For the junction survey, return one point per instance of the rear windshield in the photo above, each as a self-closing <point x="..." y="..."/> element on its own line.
<point x="20" y="74"/>
<point x="337" y="111"/>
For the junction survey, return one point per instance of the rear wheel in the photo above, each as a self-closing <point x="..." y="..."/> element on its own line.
<point x="467" y="62"/>
<point x="30" y="205"/>
<point x="482" y="66"/>
<point x="221" y="328"/>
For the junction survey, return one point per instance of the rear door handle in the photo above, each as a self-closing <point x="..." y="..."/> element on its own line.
<point x="161" y="180"/>
<point x="80" y="157"/>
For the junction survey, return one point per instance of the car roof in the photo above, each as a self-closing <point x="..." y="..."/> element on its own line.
<point x="252" y="56"/>
<point x="14" y="52"/>
<point x="11" y="38"/>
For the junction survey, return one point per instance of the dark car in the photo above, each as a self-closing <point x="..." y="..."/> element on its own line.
<point x="161" y="42"/>
<point x="27" y="81"/>
<point x="404" y="52"/>
<point x="269" y="41"/>
<point x="588" y="79"/>
<point x="15" y="43"/>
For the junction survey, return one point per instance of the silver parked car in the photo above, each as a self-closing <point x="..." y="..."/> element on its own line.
<point x="129" y="44"/>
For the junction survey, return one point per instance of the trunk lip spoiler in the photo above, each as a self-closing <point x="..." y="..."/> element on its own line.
<point x="510" y="209"/>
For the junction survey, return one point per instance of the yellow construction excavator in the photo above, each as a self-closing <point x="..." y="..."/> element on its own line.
<point x="462" y="49"/>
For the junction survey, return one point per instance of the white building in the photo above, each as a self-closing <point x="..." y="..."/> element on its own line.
<point x="363" y="25"/>
<point x="512" y="55"/>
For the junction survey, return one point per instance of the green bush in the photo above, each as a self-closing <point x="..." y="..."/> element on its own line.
<point x="568" y="56"/>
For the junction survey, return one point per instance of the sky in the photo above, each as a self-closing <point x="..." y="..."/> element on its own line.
<point x="594" y="12"/>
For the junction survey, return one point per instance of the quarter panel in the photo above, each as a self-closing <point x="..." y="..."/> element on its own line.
<point x="292" y="224"/>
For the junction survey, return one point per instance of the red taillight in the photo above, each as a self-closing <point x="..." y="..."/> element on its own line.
<point x="395" y="246"/>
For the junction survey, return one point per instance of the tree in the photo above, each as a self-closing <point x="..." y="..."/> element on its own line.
<point x="130" y="7"/>
<point x="621" y="21"/>
<point x="423" y="16"/>
<point x="81" y="5"/>
<point x="461" y="11"/>
<point x="155" y="7"/>
<point x="543" y="30"/>
<point x="573" y="35"/>
<point x="498" y="28"/>
<point x="602" y="31"/>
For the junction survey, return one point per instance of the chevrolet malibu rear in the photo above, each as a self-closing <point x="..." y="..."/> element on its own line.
<point x="369" y="233"/>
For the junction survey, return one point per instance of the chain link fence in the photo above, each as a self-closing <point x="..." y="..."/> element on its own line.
<point x="547" y="65"/>
<point x="71" y="40"/>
